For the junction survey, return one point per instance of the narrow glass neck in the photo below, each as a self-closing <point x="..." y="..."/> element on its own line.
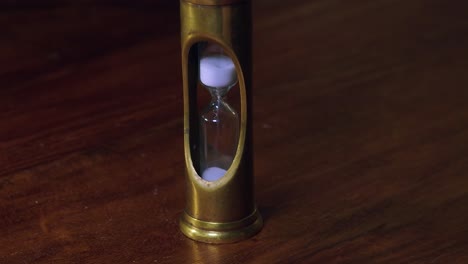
<point x="218" y="93"/>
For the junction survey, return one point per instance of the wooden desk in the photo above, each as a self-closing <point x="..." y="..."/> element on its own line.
<point x="361" y="133"/>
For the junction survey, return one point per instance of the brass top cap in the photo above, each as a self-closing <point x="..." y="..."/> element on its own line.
<point x="215" y="2"/>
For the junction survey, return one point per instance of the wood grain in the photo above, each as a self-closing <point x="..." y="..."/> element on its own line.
<point x="360" y="128"/>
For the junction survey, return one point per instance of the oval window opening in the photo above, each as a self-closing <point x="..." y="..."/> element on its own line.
<point x="218" y="120"/>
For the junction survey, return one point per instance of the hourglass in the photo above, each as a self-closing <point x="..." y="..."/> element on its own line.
<point x="219" y="122"/>
<point x="216" y="61"/>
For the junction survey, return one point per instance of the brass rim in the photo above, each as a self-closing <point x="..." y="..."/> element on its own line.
<point x="217" y="233"/>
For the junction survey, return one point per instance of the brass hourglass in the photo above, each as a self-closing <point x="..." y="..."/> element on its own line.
<point x="216" y="57"/>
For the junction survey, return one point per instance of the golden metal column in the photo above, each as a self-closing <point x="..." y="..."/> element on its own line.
<point x="222" y="211"/>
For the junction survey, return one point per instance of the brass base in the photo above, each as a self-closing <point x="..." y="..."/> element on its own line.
<point x="219" y="233"/>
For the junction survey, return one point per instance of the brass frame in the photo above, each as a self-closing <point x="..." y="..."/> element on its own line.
<point x="223" y="211"/>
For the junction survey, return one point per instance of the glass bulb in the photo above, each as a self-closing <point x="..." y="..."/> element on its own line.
<point x="219" y="122"/>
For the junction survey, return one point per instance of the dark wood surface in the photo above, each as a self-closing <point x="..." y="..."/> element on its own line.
<point x="361" y="133"/>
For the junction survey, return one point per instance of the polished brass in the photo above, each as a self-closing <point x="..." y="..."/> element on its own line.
<point x="221" y="232"/>
<point x="222" y="211"/>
